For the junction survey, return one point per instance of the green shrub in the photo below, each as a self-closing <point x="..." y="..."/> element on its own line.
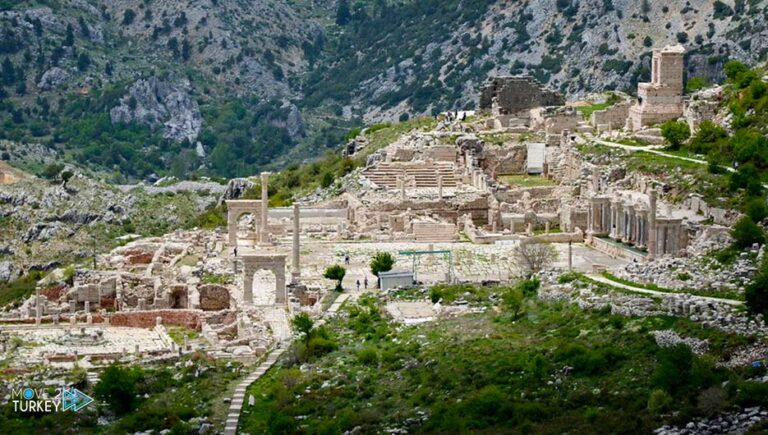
<point x="530" y="287"/>
<point x="675" y="133"/>
<point x="673" y="370"/>
<point x="567" y="277"/>
<point x="659" y="402"/>
<point x="746" y="233"/>
<point x="368" y="356"/>
<point x="118" y="387"/>
<point x="752" y="394"/>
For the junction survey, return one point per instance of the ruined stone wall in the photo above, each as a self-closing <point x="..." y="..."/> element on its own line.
<point x="147" y="319"/>
<point x="517" y="95"/>
<point x="615" y="116"/>
<point x="213" y="297"/>
<point x="507" y="160"/>
<point x="442" y="153"/>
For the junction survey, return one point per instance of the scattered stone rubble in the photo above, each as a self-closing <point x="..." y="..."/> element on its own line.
<point x="669" y="338"/>
<point x="730" y="423"/>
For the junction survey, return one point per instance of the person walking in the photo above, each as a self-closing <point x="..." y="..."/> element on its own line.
<point x="358" y="285"/>
<point x="366" y="282"/>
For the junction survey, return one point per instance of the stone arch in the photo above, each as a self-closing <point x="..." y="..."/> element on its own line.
<point x="273" y="263"/>
<point x="235" y="209"/>
<point x="264" y="283"/>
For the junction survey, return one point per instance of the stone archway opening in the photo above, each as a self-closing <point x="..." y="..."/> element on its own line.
<point x="264" y="287"/>
<point x="275" y="265"/>
<point x="247" y="229"/>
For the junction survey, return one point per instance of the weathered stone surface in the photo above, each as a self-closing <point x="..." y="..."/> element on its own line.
<point x="213" y="297"/>
<point x="517" y="95"/>
<point x="160" y="103"/>
<point x="53" y="79"/>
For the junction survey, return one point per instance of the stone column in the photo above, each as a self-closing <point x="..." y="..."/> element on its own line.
<point x="38" y="308"/>
<point x="232" y="227"/>
<point x="264" y="230"/>
<point x="402" y="188"/>
<point x="295" y="266"/>
<point x="439" y="186"/>
<point x="87" y="306"/>
<point x="652" y="225"/>
<point x="248" y="285"/>
<point x="596" y="179"/>
<point x="570" y="256"/>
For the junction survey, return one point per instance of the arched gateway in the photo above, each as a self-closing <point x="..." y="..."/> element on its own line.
<point x="237" y="208"/>
<point x="274" y="263"/>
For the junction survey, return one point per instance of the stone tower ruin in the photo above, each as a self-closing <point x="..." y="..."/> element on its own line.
<point x="662" y="98"/>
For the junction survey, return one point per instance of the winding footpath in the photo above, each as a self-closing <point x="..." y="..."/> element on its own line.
<point x="238" y="398"/>
<point x="603" y="280"/>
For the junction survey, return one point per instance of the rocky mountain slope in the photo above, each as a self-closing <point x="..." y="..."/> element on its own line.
<point x="138" y="88"/>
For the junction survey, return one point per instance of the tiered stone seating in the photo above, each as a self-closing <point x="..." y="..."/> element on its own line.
<point x="385" y="174"/>
<point x="434" y="232"/>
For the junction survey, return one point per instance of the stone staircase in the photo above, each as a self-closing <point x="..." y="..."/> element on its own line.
<point x="434" y="232"/>
<point x="233" y="416"/>
<point x="385" y="174"/>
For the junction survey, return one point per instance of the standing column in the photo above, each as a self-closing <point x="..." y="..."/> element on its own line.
<point x="439" y="186"/>
<point x="38" y="308"/>
<point x="652" y="225"/>
<point x="264" y="230"/>
<point x="295" y="268"/>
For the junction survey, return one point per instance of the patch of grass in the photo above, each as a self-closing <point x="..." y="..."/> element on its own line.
<point x="19" y="289"/>
<point x="177" y="334"/>
<point x="521" y="180"/>
<point x="212" y="278"/>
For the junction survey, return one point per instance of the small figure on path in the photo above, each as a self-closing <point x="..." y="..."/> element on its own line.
<point x="358" y="285"/>
<point x="366" y="282"/>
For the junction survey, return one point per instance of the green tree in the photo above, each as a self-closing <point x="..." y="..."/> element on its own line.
<point x="675" y="133"/>
<point x="343" y="15"/>
<point x="382" y="262"/>
<point x="674" y="367"/>
<point x="66" y="176"/>
<point x="83" y="62"/>
<point x="69" y="39"/>
<point x="128" y="16"/>
<point x="708" y="137"/>
<point x="756" y="209"/>
<point x="336" y="273"/>
<point x="304" y="324"/>
<point x="756" y="293"/>
<point x="52" y="171"/>
<point x="746" y="233"/>
<point x="118" y="386"/>
<point x="8" y="72"/>
<point x="513" y="299"/>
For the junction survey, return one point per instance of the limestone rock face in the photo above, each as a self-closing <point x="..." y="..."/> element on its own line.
<point x="6" y="271"/>
<point x="54" y="78"/>
<point x="236" y="188"/>
<point x="158" y="103"/>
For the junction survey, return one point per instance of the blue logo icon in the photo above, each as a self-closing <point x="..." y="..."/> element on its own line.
<point x="28" y="394"/>
<point x="73" y="399"/>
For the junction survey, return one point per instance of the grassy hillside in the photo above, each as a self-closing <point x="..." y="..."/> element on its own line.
<point x="555" y="369"/>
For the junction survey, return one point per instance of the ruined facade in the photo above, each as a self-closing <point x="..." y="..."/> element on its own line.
<point x="661" y="99"/>
<point x="516" y="95"/>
